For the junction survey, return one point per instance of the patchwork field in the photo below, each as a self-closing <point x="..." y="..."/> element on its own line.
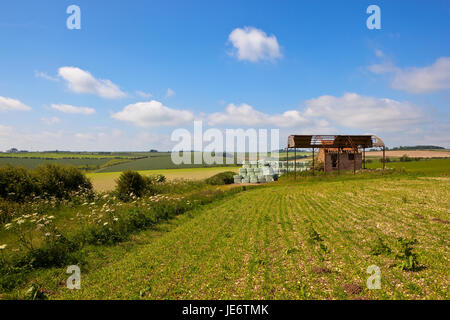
<point x="107" y="181"/>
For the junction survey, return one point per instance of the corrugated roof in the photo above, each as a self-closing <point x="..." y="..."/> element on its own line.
<point x="334" y="141"/>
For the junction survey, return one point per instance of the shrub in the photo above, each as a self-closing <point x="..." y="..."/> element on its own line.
<point x="131" y="183"/>
<point x="60" y="181"/>
<point x="221" y="178"/>
<point x="405" y="158"/>
<point x="16" y="183"/>
<point x="379" y="248"/>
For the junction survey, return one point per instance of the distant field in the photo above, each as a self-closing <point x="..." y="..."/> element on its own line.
<point x="428" y="167"/>
<point x="70" y="155"/>
<point x="411" y="153"/>
<point x="107" y="181"/>
<point x="31" y="163"/>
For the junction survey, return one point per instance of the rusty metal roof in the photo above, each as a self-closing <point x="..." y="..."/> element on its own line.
<point x="334" y="141"/>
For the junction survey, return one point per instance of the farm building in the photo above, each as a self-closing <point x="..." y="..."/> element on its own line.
<point x="335" y="159"/>
<point x="336" y="152"/>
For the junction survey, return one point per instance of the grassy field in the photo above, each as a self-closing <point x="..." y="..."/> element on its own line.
<point x="101" y="162"/>
<point x="439" y="167"/>
<point x="312" y="238"/>
<point x="107" y="181"/>
<point x="258" y="246"/>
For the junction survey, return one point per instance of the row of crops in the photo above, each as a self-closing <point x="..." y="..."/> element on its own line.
<point x="263" y="171"/>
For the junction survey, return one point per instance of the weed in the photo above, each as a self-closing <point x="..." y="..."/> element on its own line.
<point x="379" y="247"/>
<point x="408" y="258"/>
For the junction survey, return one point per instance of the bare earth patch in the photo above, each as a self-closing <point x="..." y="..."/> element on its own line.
<point x="352" y="288"/>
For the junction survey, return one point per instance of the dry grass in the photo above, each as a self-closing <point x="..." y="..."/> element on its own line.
<point x="107" y="181"/>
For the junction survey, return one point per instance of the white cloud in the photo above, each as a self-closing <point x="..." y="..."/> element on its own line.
<point x="50" y="121"/>
<point x="432" y="78"/>
<point x="72" y="109"/>
<point x="45" y="76"/>
<point x="254" y="45"/>
<point x="9" y="104"/>
<point x="153" y="113"/>
<point x="81" y="81"/>
<point x="365" y="113"/>
<point x="170" y="93"/>
<point x="143" y="94"/>
<point x="422" y="80"/>
<point x="246" y="115"/>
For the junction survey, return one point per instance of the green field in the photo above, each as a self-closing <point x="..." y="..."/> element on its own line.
<point x="426" y="167"/>
<point x="312" y="238"/>
<point x="102" y="162"/>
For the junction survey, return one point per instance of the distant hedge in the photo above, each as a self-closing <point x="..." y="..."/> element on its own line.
<point x="49" y="180"/>
<point x="221" y="178"/>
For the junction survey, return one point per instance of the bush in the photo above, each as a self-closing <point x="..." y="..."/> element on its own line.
<point x="60" y="181"/>
<point x="405" y="158"/>
<point x="131" y="183"/>
<point x="221" y="178"/>
<point x="16" y="183"/>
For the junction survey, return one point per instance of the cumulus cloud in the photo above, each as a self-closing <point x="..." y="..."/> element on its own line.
<point x="81" y="81"/>
<point x="254" y="45"/>
<point x="153" y="113"/>
<point x="9" y="104"/>
<point x="432" y="78"/>
<point x="246" y="115"/>
<point x="72" y="109"/>
<point x="365" y="113"/>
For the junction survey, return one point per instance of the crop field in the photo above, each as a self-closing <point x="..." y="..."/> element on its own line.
<point x="106" y="181"/>
<point x="290" y="241"/>
<point x="102" y="162"/>
<point x="313" y="238"/>
<point x="439" y="167"/>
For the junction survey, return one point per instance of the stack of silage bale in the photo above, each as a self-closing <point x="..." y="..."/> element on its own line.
<point x="266" y="170"/>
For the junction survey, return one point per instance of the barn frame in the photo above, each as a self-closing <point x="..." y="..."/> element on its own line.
<point x="338" y="142"/>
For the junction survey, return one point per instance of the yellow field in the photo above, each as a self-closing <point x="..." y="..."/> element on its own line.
<point x="107" y="181"/>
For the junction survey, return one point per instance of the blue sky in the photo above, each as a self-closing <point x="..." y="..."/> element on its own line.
<point x="137" y="70"/>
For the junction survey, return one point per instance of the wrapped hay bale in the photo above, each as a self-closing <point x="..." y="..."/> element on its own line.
<point x="242" y="171"/>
